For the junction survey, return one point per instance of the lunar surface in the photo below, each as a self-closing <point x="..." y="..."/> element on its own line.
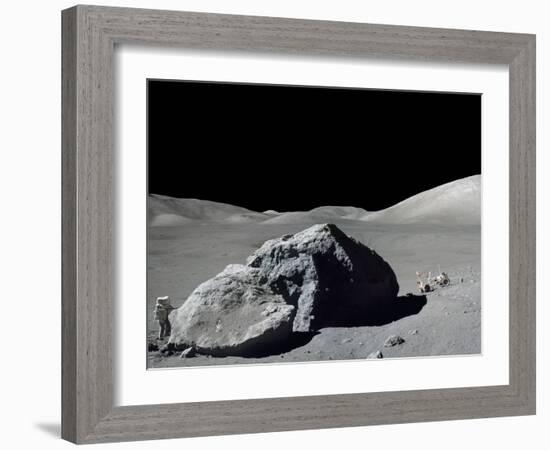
<point x="191" y="241"/>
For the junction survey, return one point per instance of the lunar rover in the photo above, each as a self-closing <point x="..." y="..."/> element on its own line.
<point x="427" y="283"/>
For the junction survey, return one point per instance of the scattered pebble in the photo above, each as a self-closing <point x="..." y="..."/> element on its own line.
<point x="413" y="332"/>
<point x="375" y="355"/>
<point x="393" y="340"/>
<point x="346" y="340"/>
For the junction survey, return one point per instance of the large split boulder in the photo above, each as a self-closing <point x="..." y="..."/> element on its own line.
<point x="297" y="283"/>
<point x="328" y="276"/>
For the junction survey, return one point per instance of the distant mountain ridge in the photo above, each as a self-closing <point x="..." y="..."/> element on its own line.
<point x="170" y="211"/>
<point x="456" y="202"/>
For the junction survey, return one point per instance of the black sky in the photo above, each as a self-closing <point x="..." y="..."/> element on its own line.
<point x="294" y="148"/>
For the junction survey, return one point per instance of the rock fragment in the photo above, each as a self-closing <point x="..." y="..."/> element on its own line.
<point x="393" y="340"/>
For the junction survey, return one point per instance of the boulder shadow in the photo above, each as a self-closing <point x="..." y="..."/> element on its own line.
<point x="388" y="312"/>
<point x="295" y="340"/>
<point x="402" y="306"/>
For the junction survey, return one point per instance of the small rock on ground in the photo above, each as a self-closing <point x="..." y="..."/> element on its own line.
<point x="375" y="355"/>
<point x="393" y="340"/>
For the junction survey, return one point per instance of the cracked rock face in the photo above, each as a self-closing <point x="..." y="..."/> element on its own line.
<point x="315" y="278"/>
<point x="326" y="274"/>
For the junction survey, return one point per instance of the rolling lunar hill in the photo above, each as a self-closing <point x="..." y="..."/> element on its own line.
<point x="169" y="211"/>
<point x="457" y="202"/>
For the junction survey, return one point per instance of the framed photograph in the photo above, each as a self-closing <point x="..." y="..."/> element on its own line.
<point x="278" y="224"/>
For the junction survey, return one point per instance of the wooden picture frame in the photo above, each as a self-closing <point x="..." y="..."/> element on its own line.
<point x="89" y="37"/>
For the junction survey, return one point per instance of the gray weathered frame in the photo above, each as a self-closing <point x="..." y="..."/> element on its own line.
<point x="89" y="36"/>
